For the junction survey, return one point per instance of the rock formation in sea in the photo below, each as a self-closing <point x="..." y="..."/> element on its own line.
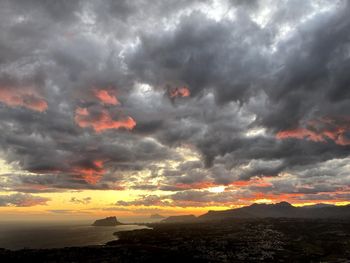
<point x="108" y="221"/>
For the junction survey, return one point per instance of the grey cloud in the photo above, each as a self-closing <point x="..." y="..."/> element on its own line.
<point x="22" y="200"/>
<point x="203" y="54"/>
<point x="240" y="75"/>
<point x="149" y="200"/>
<point x="84" y="200"/>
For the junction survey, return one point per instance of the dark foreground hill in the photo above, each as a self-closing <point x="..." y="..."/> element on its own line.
<point x="238" y="240"/>
<point x="280" y="210"/>
<point x="180" y="219"/>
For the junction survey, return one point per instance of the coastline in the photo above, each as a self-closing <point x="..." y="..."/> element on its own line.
<point x="258" y="240"/>
<point x="17" y="237"/>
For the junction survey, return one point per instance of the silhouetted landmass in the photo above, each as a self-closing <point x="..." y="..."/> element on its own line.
<point x="237" y="240"/>
<point x="257" y="233"/>
<point x="279" y="210"/>
<point x="180" y="219"/>
<point x="108" y="221"/>
<point x="157" y="216"/>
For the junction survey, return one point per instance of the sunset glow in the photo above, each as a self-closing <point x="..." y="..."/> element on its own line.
<point x="180" y="92"/>
<point x="105" y="97"/>
<point x="321" y="131"/>
<point x="133" y="108"/>
<point x="103" y="121"/>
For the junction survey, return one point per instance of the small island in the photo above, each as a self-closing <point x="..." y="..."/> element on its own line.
<point x="108" y="221"/>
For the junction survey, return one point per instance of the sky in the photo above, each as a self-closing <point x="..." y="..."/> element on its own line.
<point x="130" y="108"/>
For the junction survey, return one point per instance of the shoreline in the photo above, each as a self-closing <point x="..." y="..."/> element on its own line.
<point x="95" y="236"/>
<point x="260" y="240"/>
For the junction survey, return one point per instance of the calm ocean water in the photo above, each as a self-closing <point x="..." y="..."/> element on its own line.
<point x="50" y="235"/>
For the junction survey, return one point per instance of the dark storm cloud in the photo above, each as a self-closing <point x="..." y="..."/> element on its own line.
<point x="204" y="54"/>
<point x="297" y="79"/>
<point x="312" y="82"/>
<point x="249" y="80"/>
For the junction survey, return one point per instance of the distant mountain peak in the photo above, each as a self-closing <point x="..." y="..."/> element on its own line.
<point x="280" y="204"/>
<point x="320" y="205"/>
<point x="157" y="216"/>
<point x="283" y="204"/>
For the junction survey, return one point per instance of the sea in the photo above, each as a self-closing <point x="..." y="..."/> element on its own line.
<point x="36" y="235"/>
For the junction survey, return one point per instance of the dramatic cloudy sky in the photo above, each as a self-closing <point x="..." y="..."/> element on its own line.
<point x="172" y="106"/>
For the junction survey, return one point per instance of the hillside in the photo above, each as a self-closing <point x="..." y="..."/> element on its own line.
<point x="279" y="210"/>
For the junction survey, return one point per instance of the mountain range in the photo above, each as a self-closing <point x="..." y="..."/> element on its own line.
<point x="278" y="210"/>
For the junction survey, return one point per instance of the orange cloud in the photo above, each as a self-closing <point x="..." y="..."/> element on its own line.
<point x="24" y="97"/>
<point x="180" y="92"/>
<point x="103" y="122"/>
<point x="256" y="182"/>
<point x="300" y="133"/>
<point x="273" y="197"/>
<point x="321" y="130"/>
<point x="92" y="175"/>
<point x="82" y="112"/>
<point x="106" y="97"/>
<point x="297" y="198"/>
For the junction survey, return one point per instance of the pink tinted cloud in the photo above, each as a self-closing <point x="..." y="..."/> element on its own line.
<point x="321" y="130"/>
<point x="23" y="97"/>
<point x="103" y="121"/>
<point x="91" y="174"/>
<point x="179" y="92"/>
<point x="106" y="97"/>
